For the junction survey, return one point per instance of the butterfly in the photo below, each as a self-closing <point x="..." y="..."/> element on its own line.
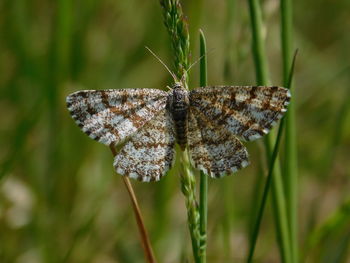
<point x="208" y="121"/>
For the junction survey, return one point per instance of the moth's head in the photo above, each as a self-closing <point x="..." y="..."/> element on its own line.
<point x="178" y="96"/>
<point x="177" y="85"/>
<point x="180" y="84"/>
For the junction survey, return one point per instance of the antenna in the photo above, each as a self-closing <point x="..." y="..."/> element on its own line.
<point x="171" y="73"/>
<point x="194" y="63"/>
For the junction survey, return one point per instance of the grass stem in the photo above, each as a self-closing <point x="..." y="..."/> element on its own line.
<point x="203" y="190"/>
<point x="278" y="198"/>
<point x="269" y="177"/>
<point x="177" y="28"/>
<point x="145" y="241"/>
<point x="265" y="194"/>
<point x="258" y="46"/>
<point x="188" y="188"/>
<point x="290" y="168"/>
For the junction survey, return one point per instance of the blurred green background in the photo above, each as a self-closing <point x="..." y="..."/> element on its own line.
<point x="60" y="200"/>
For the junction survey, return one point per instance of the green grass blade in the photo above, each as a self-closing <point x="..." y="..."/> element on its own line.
<point x="203" y="190"/>
<point x="258" y="46"/>
<point x="269" y="177"/>
<point x="265" y="194"/>
<point x="278" y="198"/>
<point x="290" y="170"/>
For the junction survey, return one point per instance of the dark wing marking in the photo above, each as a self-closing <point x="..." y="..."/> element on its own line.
<point x="247" y="111"/>
<point x="214" y="150"/>
<point x="112" y="115"/>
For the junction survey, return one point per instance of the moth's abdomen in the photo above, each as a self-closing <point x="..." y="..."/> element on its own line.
<point x="178" y="104"/>
<point x="180" y="120"/>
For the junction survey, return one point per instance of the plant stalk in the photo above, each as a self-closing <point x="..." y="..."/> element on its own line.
<point x="145" y="240"/>
<point x="188" y="188"/>
<point x="269" y="177"/>
<point x="265" y="194"/>
<point x="203" y="187"/>
<point x="278" y="198"/>
<point x="177" y="28"/>
<point x="291" y="166"/>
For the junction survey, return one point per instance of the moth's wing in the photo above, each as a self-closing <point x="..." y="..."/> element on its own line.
<point x="112" y="115"/>
<point x="149" y="153"/>
<point x="214" y="150"/>
<point x="247" y="111"/>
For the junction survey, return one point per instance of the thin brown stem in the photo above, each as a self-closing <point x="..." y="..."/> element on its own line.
<point x="145" y="241"/>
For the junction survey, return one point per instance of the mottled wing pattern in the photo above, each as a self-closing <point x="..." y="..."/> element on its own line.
<point x="112" y="115"/>
<point x="149" y="154"/>
<point x="247" y="111"/>
<point x="214" y="150"/>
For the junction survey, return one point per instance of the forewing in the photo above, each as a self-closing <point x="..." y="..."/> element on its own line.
<point x="112" y="115"/>
<point x="247" y="111"/>
<point x="149" y="154"/>
<point x="214" y="150"/>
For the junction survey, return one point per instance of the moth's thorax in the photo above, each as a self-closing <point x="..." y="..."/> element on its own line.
<point x="178" y="105"/>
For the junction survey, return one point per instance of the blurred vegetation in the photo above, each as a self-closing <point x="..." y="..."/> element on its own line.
<point x="60" y="200"/>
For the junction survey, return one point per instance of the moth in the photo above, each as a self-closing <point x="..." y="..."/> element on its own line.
<point x="208" y="121"/>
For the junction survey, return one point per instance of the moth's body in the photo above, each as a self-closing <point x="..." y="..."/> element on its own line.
<point x="178" y="104"/>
